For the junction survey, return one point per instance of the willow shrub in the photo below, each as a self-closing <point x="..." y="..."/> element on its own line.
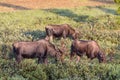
<point x="117" y="1"/>
<point x="29" y="70"/>
<point x="118" y="11"/>
<point x="82" y="71"/>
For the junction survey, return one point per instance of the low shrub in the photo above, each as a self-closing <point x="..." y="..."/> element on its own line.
<point x="118" y="11"/>
<point x="117" y="1"/>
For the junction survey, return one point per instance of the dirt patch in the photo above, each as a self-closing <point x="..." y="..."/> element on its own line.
<point x="12" y="5"/>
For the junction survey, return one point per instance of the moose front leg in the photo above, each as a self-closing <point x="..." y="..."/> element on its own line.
<point x="62" y="58"/>
<point x="39" y="60"/>
<point x="45" y="61"/>
<point x="78" y="59"/>
<point x="51" y="38"/>
<point x="64" y="34"/>
<point x="19" y="58"/>
<point x="72" y="54"/>
<point x="78" y="56"/>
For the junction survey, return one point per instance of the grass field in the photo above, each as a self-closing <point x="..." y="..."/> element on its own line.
<point x="11" y="5"/>
<point x="100" y="23"/>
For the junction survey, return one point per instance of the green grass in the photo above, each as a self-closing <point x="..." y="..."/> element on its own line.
<point x="99" y="23"/>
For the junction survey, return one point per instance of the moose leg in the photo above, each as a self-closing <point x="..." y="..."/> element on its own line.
<point x="78" y="59"/>
<point x="45" y="60"/>
<point x="62" y="58"/>
<point x="78" y="56"/>
<point x="39" y="60"/>
<point x="42" y="58"/>
<point x="64" y="34"/>
<point x="51" y="38"/>
<point x="72" y="54"/>
<point x="19" y="58"/>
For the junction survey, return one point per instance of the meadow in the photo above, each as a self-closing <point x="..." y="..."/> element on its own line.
<point x="100" y="23"/>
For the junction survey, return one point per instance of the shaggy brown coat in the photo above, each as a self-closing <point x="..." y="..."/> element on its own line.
<point x="90" y="48"/>
<point x="63" y="30"/>
<point x="37" y="49"/>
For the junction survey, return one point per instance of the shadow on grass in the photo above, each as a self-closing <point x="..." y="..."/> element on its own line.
<point x="38" y="34"/>
<point x="69" y="14"/>
<point x="13" y="6"/>
<point x="104" y="9"/>
<point x="105" y="1"/>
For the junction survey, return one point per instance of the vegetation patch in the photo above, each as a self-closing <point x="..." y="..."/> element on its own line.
<point x="100" y="23"/>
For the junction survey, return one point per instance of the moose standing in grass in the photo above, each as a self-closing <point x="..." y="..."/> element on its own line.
<point x="38" y="49"/>
<point x="90" y="48"/>
<point x="63" y="30"/>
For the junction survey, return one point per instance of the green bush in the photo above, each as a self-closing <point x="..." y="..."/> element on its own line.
<point x="21" y="26"/>
<point x="70" y="71"/>
<point x="118" y="11"/>
<point x="32" y="71"/>
<point x="117" y="1"/>
<point x="84" y="70"/>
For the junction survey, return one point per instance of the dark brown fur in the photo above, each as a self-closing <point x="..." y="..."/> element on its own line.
<point x="90" y="48"/>
<point x="63" y="30"/>
<point x="37" y="49"/>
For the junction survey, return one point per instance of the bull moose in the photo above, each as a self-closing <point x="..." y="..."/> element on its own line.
<point x="63" y="30"/>
<point x="38" y="49"/>
<point x="90" y="48"/>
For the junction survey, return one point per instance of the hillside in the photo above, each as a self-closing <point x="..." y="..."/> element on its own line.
<point x="13" y="5"/>
<point x="100" y="23"/>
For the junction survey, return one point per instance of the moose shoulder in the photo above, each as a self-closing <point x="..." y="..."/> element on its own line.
<point x="90" y="48"/>
<point x="37" y="49"/>
<point x="63" y="30"/>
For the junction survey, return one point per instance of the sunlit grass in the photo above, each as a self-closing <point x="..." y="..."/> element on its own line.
<point x="99" y="23"/>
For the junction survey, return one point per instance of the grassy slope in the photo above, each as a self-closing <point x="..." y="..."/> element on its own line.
<point x="18" y="23"/>
<point x="28" y="25"/>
